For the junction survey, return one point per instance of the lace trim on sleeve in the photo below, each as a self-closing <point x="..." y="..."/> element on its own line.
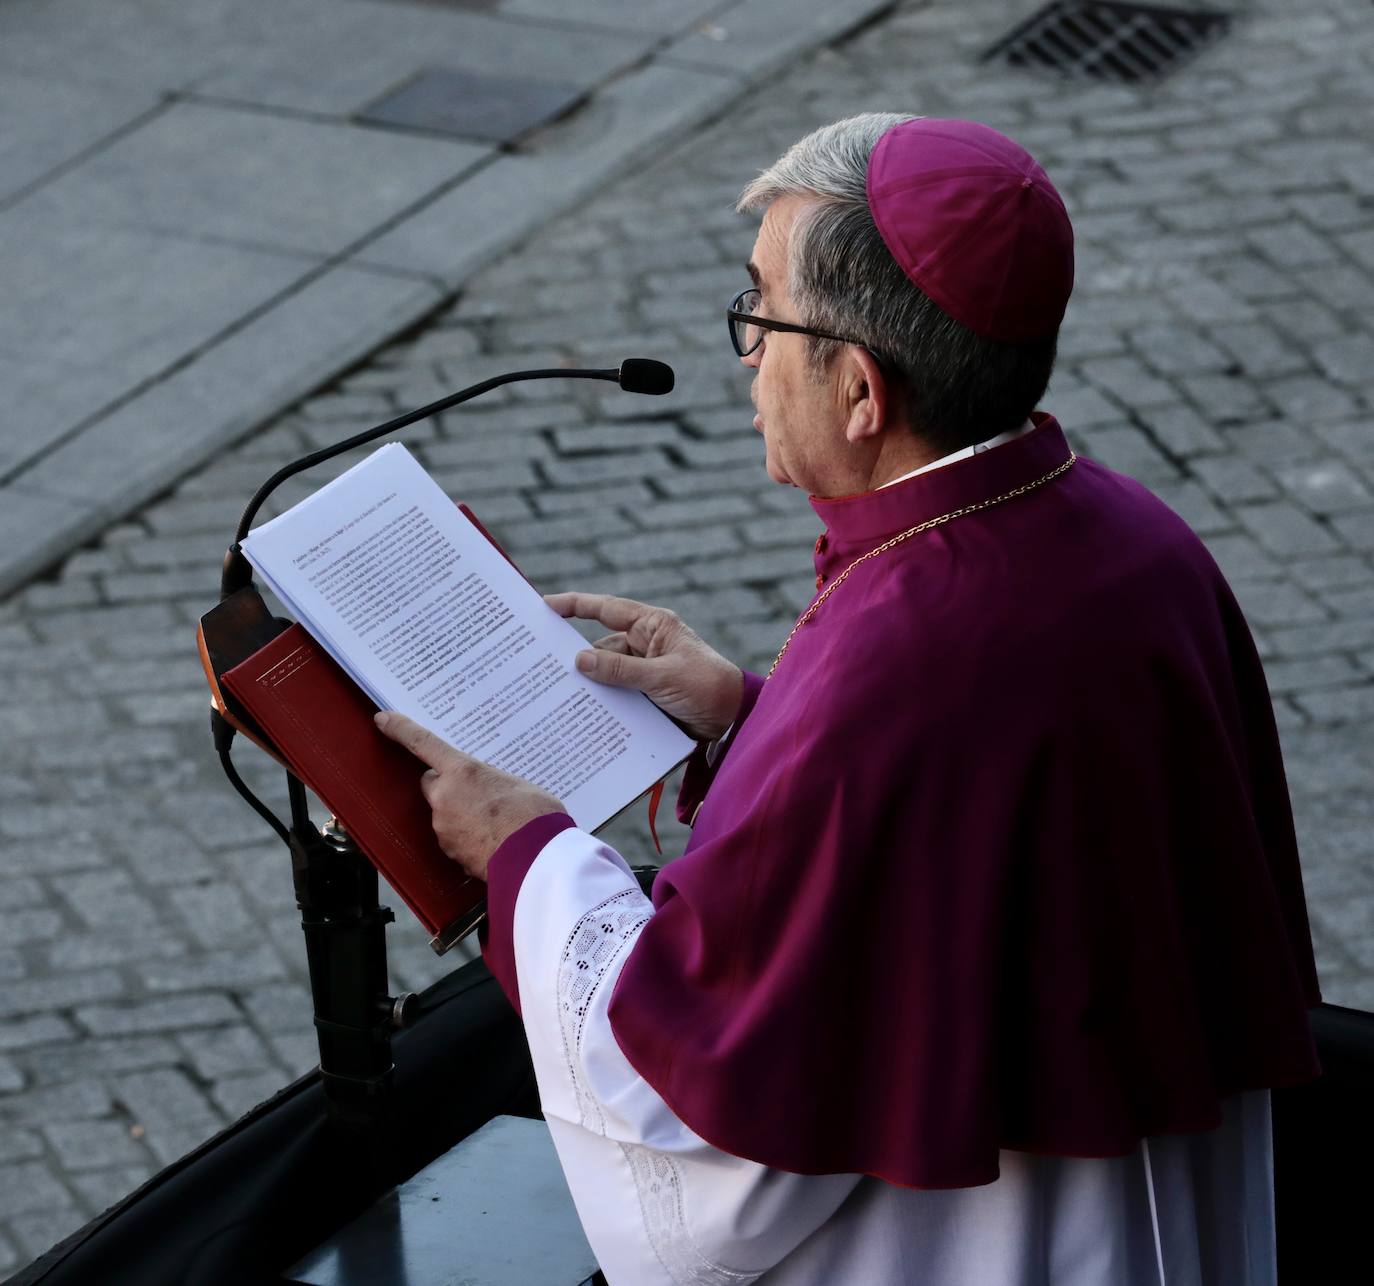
<point x="659" y="1184"/>
<point x="592" y="947"/>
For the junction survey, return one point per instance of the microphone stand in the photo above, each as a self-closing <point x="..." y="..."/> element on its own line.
<point x="335" y="884"/>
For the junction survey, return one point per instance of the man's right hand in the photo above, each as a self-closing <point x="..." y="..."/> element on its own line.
<point x="652" y="650"/>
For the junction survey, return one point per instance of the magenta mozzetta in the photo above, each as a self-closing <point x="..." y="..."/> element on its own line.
<point x="982" y="869"/>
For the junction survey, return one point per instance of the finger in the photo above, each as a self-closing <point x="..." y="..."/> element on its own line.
<point x="614" y="613"/>
<point x="614" y="643"/>
<point x="421" y="743"/>
<point x="619" y="670"/>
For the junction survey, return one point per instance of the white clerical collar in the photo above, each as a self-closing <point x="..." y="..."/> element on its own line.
<point x="963" y="453"/>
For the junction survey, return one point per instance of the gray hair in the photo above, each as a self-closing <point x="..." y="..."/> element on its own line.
<point x="959" y="387"/>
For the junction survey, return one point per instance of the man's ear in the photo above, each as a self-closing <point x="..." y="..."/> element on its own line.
<point x="868" y="396"/>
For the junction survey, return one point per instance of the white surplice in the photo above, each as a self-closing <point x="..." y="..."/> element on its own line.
<point x="661" y="1206"/>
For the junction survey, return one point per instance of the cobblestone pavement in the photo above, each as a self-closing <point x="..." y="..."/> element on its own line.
<point x="1218" y="347"/>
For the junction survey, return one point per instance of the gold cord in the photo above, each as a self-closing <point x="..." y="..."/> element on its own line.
<point x="915" y="531"/>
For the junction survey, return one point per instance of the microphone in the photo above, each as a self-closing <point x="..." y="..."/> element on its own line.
<point x="634" y="375"/>
<point x="644" y="375"/>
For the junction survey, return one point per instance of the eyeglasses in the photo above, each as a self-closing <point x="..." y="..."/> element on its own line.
<point x="746" y="327"/>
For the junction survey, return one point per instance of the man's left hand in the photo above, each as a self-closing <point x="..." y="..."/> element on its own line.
<point x="476" y="807"/>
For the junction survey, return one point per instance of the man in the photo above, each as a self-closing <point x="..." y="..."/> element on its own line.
<point x="990" y="938"/>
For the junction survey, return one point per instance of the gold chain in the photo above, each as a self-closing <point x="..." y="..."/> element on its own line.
<point x="915" y="531"/>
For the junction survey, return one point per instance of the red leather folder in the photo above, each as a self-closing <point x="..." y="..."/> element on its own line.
<point x="320" y="722"/>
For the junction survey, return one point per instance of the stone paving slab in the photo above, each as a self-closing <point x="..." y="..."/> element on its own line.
<point x="63" y="119"/>
<point x="212" y="174"/>
<point x="302" y="336"/>
<point x="373" y="48"/>
<point x="140" y="237"/>
<point x="153" y="933"/>
<point x="758" y="38"/>
<point x="105" y="310"/>
<point x="662" y="17"/>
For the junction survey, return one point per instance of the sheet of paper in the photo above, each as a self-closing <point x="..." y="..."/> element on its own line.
<point x="429" y="619"/>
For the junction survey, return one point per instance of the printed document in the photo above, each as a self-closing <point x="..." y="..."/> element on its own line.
<point x="429" y="618"/>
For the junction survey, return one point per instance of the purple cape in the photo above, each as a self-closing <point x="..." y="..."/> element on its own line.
<point x="1000" y="857"/>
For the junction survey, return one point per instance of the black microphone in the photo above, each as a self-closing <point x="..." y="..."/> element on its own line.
<point x="634" y="375"/>
<point x="644" y="375"/>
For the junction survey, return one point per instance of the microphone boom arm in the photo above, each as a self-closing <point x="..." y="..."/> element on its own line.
<point x="637" y="375"/>
<point x="235" y="565"/>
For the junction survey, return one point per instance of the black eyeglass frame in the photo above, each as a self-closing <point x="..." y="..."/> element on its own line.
<point x="733" y="315"/>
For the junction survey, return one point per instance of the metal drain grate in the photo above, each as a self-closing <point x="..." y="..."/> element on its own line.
<point x="1102" y="41"/>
